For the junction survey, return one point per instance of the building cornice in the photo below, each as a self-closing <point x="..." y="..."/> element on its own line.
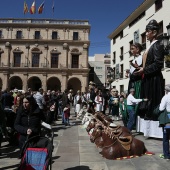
<point x="145" y="5"/>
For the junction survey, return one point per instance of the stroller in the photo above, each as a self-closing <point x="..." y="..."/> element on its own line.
<point x="37" y="151"/>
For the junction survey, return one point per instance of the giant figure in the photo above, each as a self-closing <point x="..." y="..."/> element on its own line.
<point x="152" y="86"/>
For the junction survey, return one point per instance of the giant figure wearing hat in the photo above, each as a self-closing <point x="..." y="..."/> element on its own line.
<point x="152" y="86"/>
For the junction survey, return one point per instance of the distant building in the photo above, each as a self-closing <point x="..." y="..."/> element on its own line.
<point x="47" y="53"/>
<point x="131" y="30"/>
<point x="99" y="64"/>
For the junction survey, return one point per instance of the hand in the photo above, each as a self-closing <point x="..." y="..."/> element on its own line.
<point x="135" y="64"/>
<point x="29" y="131"/>
<point x="145" y="100"/>
<point x="139" y="72"/>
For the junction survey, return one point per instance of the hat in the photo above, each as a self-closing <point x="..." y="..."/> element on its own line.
<point x="152" y="25"/>
<point x="132" y="89"/>
<point x="167" y="87"/>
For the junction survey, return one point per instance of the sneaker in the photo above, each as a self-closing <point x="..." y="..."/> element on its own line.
<point x="163" y="157"/>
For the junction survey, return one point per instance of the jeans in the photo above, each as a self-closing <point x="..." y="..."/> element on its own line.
<point x="115" y="111"/>
<point x="166" y="134"/>
<point x="67" y="121"/>
<point x="63" y="118"/>
<point x="131" y="120"/>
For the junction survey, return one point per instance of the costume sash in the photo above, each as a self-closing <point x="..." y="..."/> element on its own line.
<point x="145" y="54"/>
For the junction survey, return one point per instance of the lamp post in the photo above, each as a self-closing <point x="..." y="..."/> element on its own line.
<point x="165" y="41"/>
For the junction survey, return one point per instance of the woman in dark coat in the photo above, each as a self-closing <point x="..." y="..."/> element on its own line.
<point x="152" y="86"/>
<point x="28" y="120"/>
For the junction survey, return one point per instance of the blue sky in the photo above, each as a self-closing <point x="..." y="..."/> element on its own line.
<point x="104" y="15"/>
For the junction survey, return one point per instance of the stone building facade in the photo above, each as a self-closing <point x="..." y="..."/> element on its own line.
<point x="52" y="54"/>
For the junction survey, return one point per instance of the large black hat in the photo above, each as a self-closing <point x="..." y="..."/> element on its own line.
<point x="152" y="25"/>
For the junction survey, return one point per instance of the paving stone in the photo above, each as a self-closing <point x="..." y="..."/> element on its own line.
<point x="93" y="165"/>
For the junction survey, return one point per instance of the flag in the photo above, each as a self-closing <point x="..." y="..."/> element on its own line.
<point x="25" y="7"/>
<point x="33" y="9"/>
<point x="53" y="6"/>
<point x="40" y="9"/>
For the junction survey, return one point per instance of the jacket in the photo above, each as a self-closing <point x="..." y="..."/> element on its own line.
<point x="162" y="116"/>
<point x="25" y="121"/>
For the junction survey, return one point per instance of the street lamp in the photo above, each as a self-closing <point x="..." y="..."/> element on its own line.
<point x="165" y="41"/>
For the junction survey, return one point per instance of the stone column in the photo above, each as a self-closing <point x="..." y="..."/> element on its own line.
<point x="44" y="81"/>
<point x="85" y="82"/>
<point x="85" y="55"/>
<point x="64" y="81"/>
<point x="27" y="61"/>
<point x="5" y="83"/>
<point x="8" y="47"/>
<point x="25" y="82"/>
<point x="65" y="55"/>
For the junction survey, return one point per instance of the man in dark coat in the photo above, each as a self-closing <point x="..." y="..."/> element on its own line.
<point x="152" y="86"/>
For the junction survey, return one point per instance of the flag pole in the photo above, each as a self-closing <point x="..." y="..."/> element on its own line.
<point x="53" y="9"/>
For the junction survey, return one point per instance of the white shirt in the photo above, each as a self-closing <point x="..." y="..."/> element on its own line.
<point x="132" y="101"/>
<point x="165" y="103"/>
<point x="137" y="60"/>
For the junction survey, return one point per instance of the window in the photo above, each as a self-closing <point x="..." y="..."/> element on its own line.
<point x="114" y="40"/>
<point x="19" y="35"/>
<point x="160" y="32"/>
<point x="137" y="19"/>
<point x="54" y="35"/>
<point x="54" y="60"/>
<point x="17" y="59"/>
<point x="114" y="57"/>
<point x="121" y="53"/>
<point x="121" y="71"/>
<point x="75" y="35"/>
<point x="75" y="61"/>
<point x="98" y="67"/>
<point x="35" y="60"/>
<point x="0" y="33"/>
<point x="37" y="34"/>
<point x="121" y="34"/>
<point x="130" y="44"/>
<point x="158" y="5"/>
<point x="143" y="38"/>
<point x="106" y="61"/>
<point x="121" y="88"/>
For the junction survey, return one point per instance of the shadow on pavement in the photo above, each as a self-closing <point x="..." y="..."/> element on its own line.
<point x="12" y="167"/>
<point x="79" y="168"/>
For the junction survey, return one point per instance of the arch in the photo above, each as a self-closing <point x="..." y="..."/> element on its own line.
<point x="34" y="83"/>
<point x="1" y="84"/>
<point x="17" y="50"/>
<point x="75" y="84"/>
<point x="75" y="51"/>
<point x="15" y="82"/>
<point x="36" y="50"/>
<point x="53" y="83"/>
